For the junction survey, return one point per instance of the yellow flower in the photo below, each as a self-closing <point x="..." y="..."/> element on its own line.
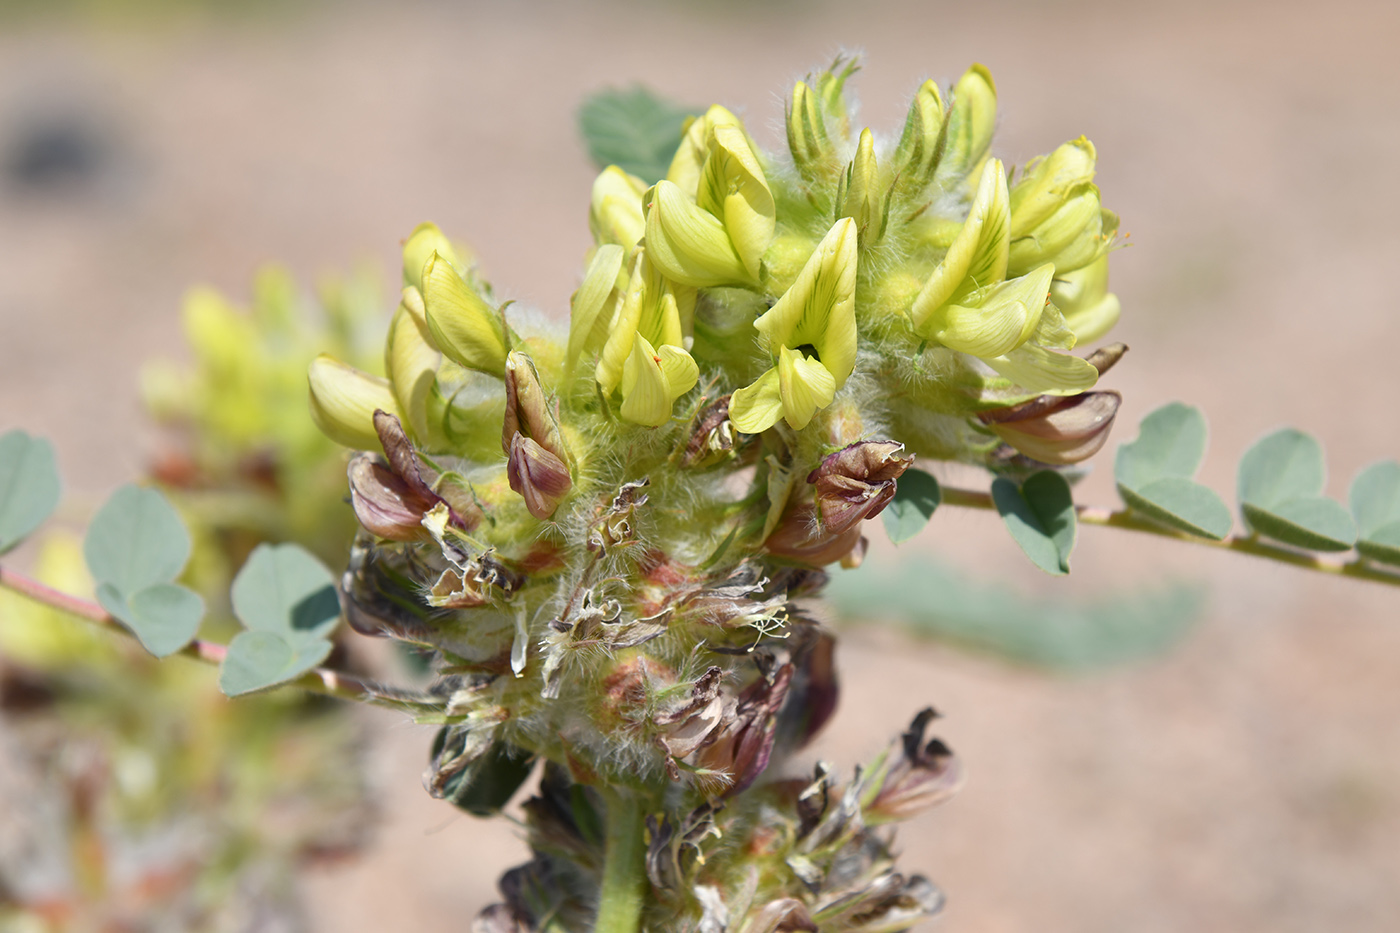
<point x="811" y="332"/>
<point x="615" y="210"/>
<point x="344" y="400"/>
<point x="463" y="326"/>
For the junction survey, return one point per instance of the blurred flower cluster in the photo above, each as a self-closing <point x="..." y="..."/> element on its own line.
<point x="609" y="536"/>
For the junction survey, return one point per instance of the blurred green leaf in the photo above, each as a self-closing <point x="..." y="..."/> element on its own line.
<point x="935" y="601"/>
<point x="487" y="786"/>
<point x="1375" y="504"/>
<point x="1280" y="484"/>
<point x="283" y="589"/>
<point x="916" y="495"/>
<point x="1040" y="516"/>
<point x="262" y="659"/>
<point x="1154" y="473"/>
<point x="287" y="600"/>
<point x="633" y="129"/>
<point x="164" y="617"/>
<point x="29" y="486"/>
<point x="136" y="540"/>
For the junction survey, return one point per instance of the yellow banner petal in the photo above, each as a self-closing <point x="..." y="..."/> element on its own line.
<point x="463" y="326"/>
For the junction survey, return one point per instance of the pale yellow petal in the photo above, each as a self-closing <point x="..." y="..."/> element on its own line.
<point x="805" y="386"/>
<point x="978" y="256"/>
<point x="1037" y="369"/>
<point x="757" y="407"/>
<point x="587" y="304"/>
<point x="688" y="243"/>
<point x="463" y="326"/>
<point x="344" y="400"/>
<point x="819" y="308"/>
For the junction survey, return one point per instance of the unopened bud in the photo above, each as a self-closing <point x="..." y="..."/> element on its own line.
<point x="541" y="478"/>
<point x="925" y="135"/>
<point x="1056" y="429"/>
<point x="1047" y="182"/>
<point x="527" y="409"/>
<point x="688" y="243"/>
<point x="971" y="120"/>
<point x="1077" y="233"/>
<point x="857" y="482"/>
<point x="411" y="361"/>
<point x="919" y="777"/>
<point x="344" y="400"/>
<point x="860" y="195"/>
<point x="425" y="240"/>
<point x="615" y="210"/>
<point x="996" y="320"/>
<point x="463" y="326"/>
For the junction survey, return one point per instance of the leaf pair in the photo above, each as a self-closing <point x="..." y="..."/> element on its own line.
<point x="1154" y="473"/>
<point x="135" y="548"/>
<point x="1280" y="484"/>
<point x="287" y="602"/>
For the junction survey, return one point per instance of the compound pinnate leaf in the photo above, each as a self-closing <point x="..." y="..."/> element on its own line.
<point x="261" y="659"/>
<point x="1375" y="504"/>
<point x="284" y="590"/>
<point x="1154" y="473"/>
<point x="634" y="129"/>
<point x="135" y="548"/>
<point x="916" y="495"/>
<point x="29" y="486"/>
<point x="164" y="617"/>
<point x="1040" y="516"/>
<point x="1280" y="491"/>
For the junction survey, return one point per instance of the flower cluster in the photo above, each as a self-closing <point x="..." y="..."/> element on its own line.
<point x="606" y="536"/>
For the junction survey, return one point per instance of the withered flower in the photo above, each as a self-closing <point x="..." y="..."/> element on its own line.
<point x="1055" y="429"/>
<point x="746" y="741"/>
<point x="917" y="775"/>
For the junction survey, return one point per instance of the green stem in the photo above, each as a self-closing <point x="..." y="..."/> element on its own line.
<point x="624" y="866"/>
<point x="1093" y="515"/>
<point x="317" y="680"/>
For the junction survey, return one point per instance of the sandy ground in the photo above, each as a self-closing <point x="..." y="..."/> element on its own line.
<point x="1246" y="782"/>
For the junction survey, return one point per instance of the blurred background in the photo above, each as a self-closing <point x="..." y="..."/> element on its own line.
<point x="1193" y="741"/>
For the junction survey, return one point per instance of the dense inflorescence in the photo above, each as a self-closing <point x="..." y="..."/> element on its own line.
<point x="606" y="535"/>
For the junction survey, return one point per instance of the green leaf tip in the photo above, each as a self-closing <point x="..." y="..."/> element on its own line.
<point x="1375" y="504"/>
<point x="29" y="486"/>
<point x="634" y="129"/>
<point x="1039" y="513"/>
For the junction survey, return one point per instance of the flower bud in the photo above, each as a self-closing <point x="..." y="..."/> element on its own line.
<point x="808" y="141"/>
<point x="1056" y="429"/>
<point x="527" y="409"/>
<point x="921" y="144"/>
<point x="425" y="240"/>
<point x="463" y="326"/>
<point x="540" y="477"/>
<point x="412" y="362"/>
<point x="971" y="120"/>
<point x="344" y="400"/>
<point x="688" y="243"/>
<point x="615" y="210"/>
<point x="594" y="305"/>
<point x="1047" y="182"/>
<point x="1082" y="296"/>
<point x="734" y="189"/>
<point x="920" y="776"/>
<point x="860" y="195"/>
<point x="857" y="482"/>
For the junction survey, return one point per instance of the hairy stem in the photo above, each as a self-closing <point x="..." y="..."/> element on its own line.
<point x="624" y="867"/>
<point x="318" y="680"/>
<point x="1124" y="518"/>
